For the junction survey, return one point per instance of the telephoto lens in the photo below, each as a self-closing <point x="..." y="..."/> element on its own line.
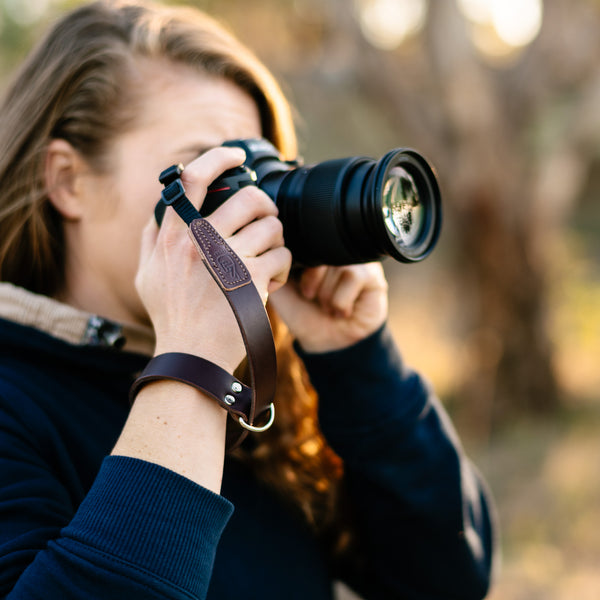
<point x="343" y="211"/>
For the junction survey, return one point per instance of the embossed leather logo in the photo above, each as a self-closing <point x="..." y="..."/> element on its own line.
<point x="224" y="263"/>
<point x="228" y="265"/>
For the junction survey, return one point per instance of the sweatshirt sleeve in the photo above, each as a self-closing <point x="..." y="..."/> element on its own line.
<point x="142" y="531"/>
<point x="423" y="516"/>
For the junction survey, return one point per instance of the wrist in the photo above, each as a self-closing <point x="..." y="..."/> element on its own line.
<point x="226" y="358"/>
<point x="228" y="392"/>
<point x="372" y="338"/>
<point x="333" y="341"/>
<point x="176" y="426"/>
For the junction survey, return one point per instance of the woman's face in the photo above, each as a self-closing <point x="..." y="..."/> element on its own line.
<point x="182" y="114"/>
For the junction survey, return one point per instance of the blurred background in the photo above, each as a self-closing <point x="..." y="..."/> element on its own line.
<point x="503" y="96"/>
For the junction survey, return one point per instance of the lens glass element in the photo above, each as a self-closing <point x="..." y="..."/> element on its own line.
<point x="403" y="212"/>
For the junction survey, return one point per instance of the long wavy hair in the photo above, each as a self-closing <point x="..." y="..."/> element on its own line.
<point x="74" y="86"/>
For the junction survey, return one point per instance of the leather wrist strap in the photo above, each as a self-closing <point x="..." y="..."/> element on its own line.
<point x="248" y="405"/>
<point x="233" y="395"/>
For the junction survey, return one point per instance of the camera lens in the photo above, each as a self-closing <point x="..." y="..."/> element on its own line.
<point x="405" y="190"/>
<point x="354" y="209"/>
<point x="403" y="212"/>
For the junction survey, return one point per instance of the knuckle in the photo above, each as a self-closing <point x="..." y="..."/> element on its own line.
<point x="286" y="256"/>
<point x="195" y="176"/>
<point x="356" y="273"/>
<point x="288" y="259"/>
<point x="275" y="226"/>
<point x="350" y="275"/>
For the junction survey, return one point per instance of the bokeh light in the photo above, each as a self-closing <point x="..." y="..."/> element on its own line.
<point x="517" y="21"/>
<point x="502" y="28"/>
<point x="386" y="24"/>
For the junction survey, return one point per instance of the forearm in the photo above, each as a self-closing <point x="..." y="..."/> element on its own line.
<point x="141" y="532"/>
<point x="176" y="426"/>
<point x="422" y="513"/>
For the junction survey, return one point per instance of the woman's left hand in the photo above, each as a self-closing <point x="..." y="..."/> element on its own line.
<point x="330" y="308"/>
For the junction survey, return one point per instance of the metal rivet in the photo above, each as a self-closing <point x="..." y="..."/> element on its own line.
<point x="236" y="387"/>
<point x="229" y="400"/>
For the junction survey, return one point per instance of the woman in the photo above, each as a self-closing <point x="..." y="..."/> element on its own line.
<point x="102" y="500"/>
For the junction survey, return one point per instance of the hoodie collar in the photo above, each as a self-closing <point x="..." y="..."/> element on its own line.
<point x="70" y="324"/>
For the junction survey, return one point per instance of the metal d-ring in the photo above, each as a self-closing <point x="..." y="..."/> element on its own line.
<point x="264" y="427"/>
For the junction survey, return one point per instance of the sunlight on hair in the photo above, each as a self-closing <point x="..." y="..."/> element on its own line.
<point x="310" y="447"/>
<point x="26" y="12"/>
<point x="501" y="28"/>
<point x="386" y="24"/>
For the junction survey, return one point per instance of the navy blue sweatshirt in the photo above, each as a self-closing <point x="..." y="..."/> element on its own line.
<point x="76" y="523"/>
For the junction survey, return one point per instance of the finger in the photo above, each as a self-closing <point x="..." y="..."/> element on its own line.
<point x="258" y="237"/>
<point x="342" y="286"/>
<point x="353" y="283"/>
<point x="172" y="231"/>
<point x="348" y="288"/>
<point x="202" y="171"/>
<point x="270" y="270"/>
<point x="327" y="286"/>
<point x="245" y="206"/>
<point x="171" y="219"/>
<point x="281" y="260"/>
<point x="310" y="281"/>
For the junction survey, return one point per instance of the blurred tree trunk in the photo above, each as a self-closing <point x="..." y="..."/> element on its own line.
<point x="490" y="191"/>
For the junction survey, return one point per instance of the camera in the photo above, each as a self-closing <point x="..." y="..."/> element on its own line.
<point x="342" y="211"/>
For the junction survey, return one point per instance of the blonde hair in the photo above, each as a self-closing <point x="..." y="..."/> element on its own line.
<point x="74" y="86"/>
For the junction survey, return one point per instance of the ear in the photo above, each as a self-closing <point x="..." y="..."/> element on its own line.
<point x="63" y="168"/>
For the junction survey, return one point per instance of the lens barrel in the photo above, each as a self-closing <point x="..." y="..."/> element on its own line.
<point x="347" y="210"/>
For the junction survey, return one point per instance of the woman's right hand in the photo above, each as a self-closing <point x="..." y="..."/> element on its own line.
<point x="188" y="310"/>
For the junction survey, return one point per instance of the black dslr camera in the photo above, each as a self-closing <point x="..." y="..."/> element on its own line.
<point x="343" y="211"/>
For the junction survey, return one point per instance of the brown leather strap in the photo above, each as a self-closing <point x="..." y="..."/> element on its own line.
<point x="229" y="392"/>
<point x="235" y="397"/>
<point x="235" y="282"/>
